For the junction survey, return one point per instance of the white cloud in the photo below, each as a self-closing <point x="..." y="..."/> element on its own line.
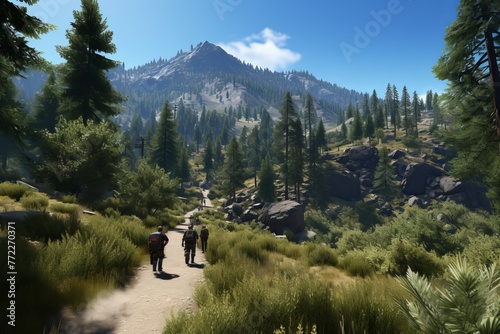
<point x="265" y="49"/>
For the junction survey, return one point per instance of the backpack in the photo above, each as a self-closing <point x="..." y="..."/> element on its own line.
<point x="155" y="242"/>
<point x="189" y="236"/>
<point x="204" y="233"/>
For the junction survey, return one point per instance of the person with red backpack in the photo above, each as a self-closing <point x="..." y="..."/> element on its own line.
<point x="157" y="242"/>
<point x="189" y="241"/>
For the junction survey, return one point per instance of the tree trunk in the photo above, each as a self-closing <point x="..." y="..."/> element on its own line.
<point x="494" y="76"/>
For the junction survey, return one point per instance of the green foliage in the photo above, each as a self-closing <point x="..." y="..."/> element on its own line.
<point x="469" y="302"/>
<point x="320" y="255"/>
<point x="87" y="92"/>
<point x="384" y="171"/>
<point x="13" y="190"/>
<point x="35" y="201"/>
<point x="68" y="199"/>
<point x="43" y="226"/>
<point x="78" y="158"/>
<point x="232" y="172"/>
<point x="357" y="265"/>
<point x="266" y="185"/>
<point x="407" y="255"/>
<point x="65" y="208"/>
<point x="411" y="142"/>
<point x="146" y="190"/>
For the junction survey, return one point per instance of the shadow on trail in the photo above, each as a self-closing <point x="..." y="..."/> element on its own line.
<point x="196" y="265"/>
<point x="165" y="276"/>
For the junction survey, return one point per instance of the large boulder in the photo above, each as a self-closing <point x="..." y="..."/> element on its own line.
<point x="416" y="177"/>
<point x="283" y="216"/>
<point x="363" y="157"/>
<point x="345" y="185"/>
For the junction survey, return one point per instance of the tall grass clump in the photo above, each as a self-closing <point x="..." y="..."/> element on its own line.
<point x="68" y="208"/>
<point x="128" y="227"/>
<point x="406" y="255"/>
<point x="34" y="201"/>
<point x="357" y="265"/>
<point x="317" y="254"/>
<point x="36" y="295"/>
<point x="14" y="190"/>
<point x="44" y="226"/>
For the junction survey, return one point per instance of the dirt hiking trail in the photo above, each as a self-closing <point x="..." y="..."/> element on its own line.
<point x="149" y="299"/>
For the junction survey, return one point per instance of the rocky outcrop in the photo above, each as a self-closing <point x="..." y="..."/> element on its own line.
<point x="417" y="177"/>
<point x="345" y="185"/>
<point x="283" y="216"/>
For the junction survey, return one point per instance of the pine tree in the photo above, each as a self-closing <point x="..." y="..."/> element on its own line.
<point x="254" y="158"/>
<point x="165" y="142"/>
<point x="384" y="171"/>
<point x="282" y="137"/>
<point x="16" y="57"/>
<point x="87" y="92"/>
<point x="16" y="25"/>
<point x="266" y="188"/>
<point x="416" y="106"/>
<point x="350" y="112"/>
<point x="406" y="107"/>
<point x="46" y="104"/>
<point x="396" y="117"/>
<point x="208" y="159"/>
<point x="233" y="167"/>
<point x="320" y="138"/>
<point x="365" y="107"/>
<point x="388" y="106"/>
<point x="356" y="132"/>
<point x="369" y="127"/>
<point x="470" y="65"/>
<point x="296" y="170"/>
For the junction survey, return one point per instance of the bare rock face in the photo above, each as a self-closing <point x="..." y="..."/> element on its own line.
<point x="415" y="179"/>
<point x="283" y="216"/>
<point x="344" y="185"/>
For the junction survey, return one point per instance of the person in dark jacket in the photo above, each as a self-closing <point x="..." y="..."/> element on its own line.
<point x="189" y="241"/>
<point x="204" y="238"/>
<point x="157" y="242"/>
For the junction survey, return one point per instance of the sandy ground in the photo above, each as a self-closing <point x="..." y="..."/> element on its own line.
<point x="145" y="304"/>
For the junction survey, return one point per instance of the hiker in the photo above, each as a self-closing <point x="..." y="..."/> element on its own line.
<point x="189" y="240"/>
<point x="157" y="242"/>
<point x="204" y="238"/>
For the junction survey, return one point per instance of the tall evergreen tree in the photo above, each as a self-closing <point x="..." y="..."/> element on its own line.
<point x="396" y="117"/>
<point x="16" y="57"/>
<point x="384" y="171"/>
<point x="416" y="106"/>
<point x="320" y="138"/>
<point x="374" y="103"/>
<point x="208" y="159"/>
<point x="266" y="190"/>
<point x="254" y="152"/>
<point x="428" y="100"/>
<point x="470" y="64"/>
<point x="379" y="118"/>
<point x="356" y="132"/>
<point x="296" y="167"/>
<point x="232" y="170"/>
<point x="87" y="92"/>
<point x="365" y="107"/>
<point x="283" y="131"/>
<point x="350" y="111"/>
<point x="46" y="104"/>
<point x="388" y="106"/>
<point x="165" y="142"/>
<point x="406" y="107"/>
<point x="16" y="26"/>
<point x="369" y="129"/>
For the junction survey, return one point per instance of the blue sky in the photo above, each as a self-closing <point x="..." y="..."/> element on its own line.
<point x="358" y="44"/>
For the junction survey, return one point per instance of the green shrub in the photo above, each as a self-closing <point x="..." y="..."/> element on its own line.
<point x="34" y="201"/>
<point x="68" y="208"/>
<point x="320" y="255"/>
<point x="357" y="265"/>
<point x="70" y="199"/>
<point x="411" y="142"/>
<point x="13" y="190"/>
<point x="44" y="226"/>
<point x="406" y="255"/>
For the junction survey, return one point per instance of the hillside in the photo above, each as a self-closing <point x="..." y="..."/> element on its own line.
<point x="208" y="76"/>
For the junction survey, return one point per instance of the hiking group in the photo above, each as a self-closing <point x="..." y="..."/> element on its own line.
<point x="158" y="240"/>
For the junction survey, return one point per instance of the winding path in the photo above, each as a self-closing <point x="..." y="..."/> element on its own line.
<point x="145" y="304"/>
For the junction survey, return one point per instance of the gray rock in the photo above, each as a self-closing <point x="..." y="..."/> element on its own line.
<point x="283" y="216"/>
